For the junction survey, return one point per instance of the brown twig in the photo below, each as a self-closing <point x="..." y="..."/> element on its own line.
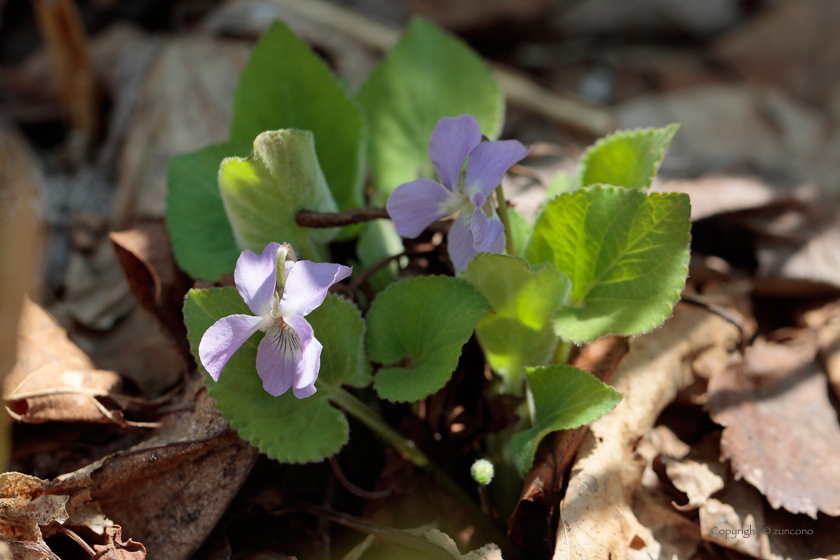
<point x="79" y="540"/>
<point x="355" y="490"/>
<point x="308" y="218"/>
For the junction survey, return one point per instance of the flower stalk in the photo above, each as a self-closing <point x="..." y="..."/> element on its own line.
<point x="503" y="216"/>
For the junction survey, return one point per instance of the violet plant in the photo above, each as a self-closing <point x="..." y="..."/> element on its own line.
<point x="603" y="256"/>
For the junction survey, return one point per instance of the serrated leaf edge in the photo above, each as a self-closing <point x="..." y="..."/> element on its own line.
<point x="631" y="133"/>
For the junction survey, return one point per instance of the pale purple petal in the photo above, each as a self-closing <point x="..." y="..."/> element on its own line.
<point x="452" y="141"/>
<point x="460" y="243"/>
<point x="488" y="163"/>
<point x="416" y="205"/>
<point x="307" y="283"/>
<point x="223" y="339"/>
<point x="277" y="359"/>
<point x="310" y="361"/>
<point x="256" y="277"/>
<point x="499" y="246"/>
<point x="485" y="231"/>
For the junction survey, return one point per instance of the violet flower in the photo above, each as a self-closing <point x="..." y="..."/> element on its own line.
<point x="289" y="355"/>
<point x="415" y="205"/>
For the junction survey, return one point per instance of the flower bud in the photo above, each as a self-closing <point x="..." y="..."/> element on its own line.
<point x="482" y="471"/>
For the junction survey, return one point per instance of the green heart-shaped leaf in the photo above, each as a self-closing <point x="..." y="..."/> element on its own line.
<point x="565" y="397"/>
<point x="285" y="85"/>
<point x="626" y="253"/>
<point x="202" y="240"/>
<point x="426" y="76"/>
<point x="628" y="158"/>
<point x="421" y="324"/>
<point x="262" y="193"/>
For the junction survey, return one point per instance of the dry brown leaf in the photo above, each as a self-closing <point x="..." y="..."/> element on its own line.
<point x="678" y="536"/>
<point x="826" y="322"/>
<point x="782" y="433"/>
<point x="96" y="292"/>
<point x="53" y="379"/>
<point x="169" y="491"/>
<point x="24" y="509"/>
<point x="733" y="125"/>
<point x="19" y="241"/>
<point x="185" y="104"/>
<point x="146" y="259"/>
<point x="695" y="479"/>
<point x="609" y="470"/>
<point x="714" y="194"/>
<point x="792" y="44"/>
<point x="117" y="549"/>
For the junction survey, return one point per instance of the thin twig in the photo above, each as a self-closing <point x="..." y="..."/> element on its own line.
<point x="79" y="540"/>
<point x="352" y="488"/>
<point x="310" y="219"/>
<point x="371" y="270"/>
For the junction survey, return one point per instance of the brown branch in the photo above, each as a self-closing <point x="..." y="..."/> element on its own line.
<point x="308" y="218"/>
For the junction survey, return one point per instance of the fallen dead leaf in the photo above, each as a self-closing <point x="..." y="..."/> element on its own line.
<point x="792" y="45"/>
<point x="695" y="479"/>
<point x="826" y="322"/>
<point x="117" y="549"/>
<point x="782" y="433"/>
<point x="146" y="259"/>
<point x="715" y="194"/>
<point x="24" y="509"/>
<point x="679" y="537"/>
<point x="96" y="292"/>
<point x="53" y="379"/>
<point x="169" y="491"/>
<point x="596" y="519"/>
<point x="184" y="104"/>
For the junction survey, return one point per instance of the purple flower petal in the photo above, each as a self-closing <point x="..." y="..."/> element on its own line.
<point x="256" y="277"/>
<point x="485" y="231"/>
<point x="460" y="243"/>
<point x="223" y="339"/>
<point x="307" y="283"/>
<point x="488" y="163"/>
<point x="416" y="205"/>
<point x="452" y="141"/>
<point x="310" y="361"/>
<point x="277" y="359"/>
<point x="499" y="246"/>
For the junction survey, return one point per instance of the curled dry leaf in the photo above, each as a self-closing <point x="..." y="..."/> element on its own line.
<point x="695" y="479"/>
<point x="781" y="434"/>
<point x="53" y="379"/>
<point x="145" y="256"/>
<point x="169" y="491"/>
<point x="608" y="470"/>
<point x="117" y="549"/>
<point x="24" y="509"/>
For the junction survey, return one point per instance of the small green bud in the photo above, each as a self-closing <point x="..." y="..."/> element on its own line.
<point x="482" y="471"/>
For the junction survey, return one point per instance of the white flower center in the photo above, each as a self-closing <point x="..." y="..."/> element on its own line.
<point x="284" y="337"/>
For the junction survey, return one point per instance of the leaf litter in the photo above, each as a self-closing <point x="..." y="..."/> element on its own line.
<point x="775" y="398"/>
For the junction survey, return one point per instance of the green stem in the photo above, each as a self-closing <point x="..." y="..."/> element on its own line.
<point x="564" y="351"/>
<point x="503" y="215"/>
<point x="356" y="408"/>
